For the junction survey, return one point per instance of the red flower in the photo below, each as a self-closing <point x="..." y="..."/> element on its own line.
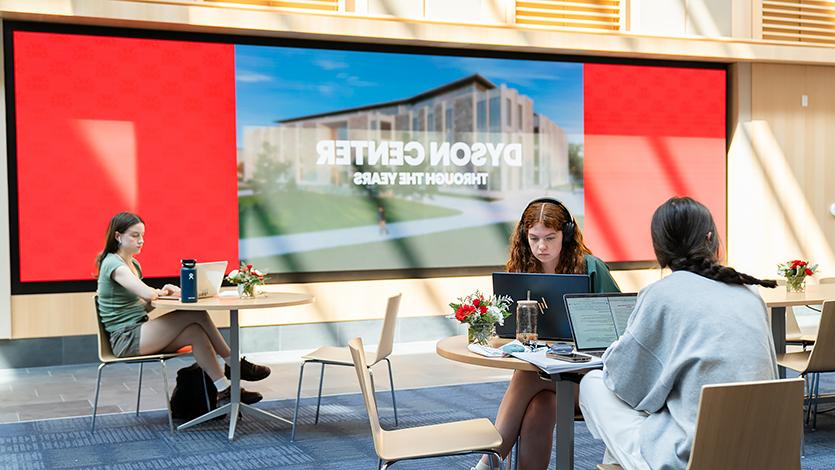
<point x="476" y="302"/>
<point x="460" y="314"/>
<point x="483" y="309"/>
<point x="809" y="272"/>
<point x="248" y="267"/>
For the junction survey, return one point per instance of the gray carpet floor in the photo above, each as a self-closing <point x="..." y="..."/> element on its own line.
<point x="341" y="440"/>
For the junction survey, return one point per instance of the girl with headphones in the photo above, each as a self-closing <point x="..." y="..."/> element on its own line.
<point x="546" y="240"/>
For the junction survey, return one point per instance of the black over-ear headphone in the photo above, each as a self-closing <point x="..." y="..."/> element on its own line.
<point x="567" y="228"/>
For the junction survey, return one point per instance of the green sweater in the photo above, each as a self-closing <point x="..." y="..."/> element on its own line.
<point x="601" y="279"/>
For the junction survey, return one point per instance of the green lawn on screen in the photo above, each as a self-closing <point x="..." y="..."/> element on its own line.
<point x="297" y="211"/>
<point x="474" y="246"/>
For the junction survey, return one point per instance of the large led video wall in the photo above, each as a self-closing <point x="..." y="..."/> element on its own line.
<point x="322" y="158"/>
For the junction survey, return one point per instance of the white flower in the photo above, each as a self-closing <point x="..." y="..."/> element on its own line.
<point x="233" y="274"/>
<point x="256" y="272"/>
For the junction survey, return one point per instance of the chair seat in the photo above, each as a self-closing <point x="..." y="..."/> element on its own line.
<point x="801" y="338"/>
<point x="439" y="439"/>
<point x="150" y="357"/>
<point x="609" y="466"/>
<point x="331" y="355"/>
<point x="796" y="361"/>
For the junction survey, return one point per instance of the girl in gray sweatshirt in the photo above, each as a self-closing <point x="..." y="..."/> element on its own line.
<point x="700" y="325"/>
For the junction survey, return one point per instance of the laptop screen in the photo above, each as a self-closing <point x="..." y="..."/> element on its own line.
<point x="548" y="290"/>
<point x="597" y="320"/>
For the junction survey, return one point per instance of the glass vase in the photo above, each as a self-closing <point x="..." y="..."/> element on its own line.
<point x="796" y="284"/>
<point x="481" y="333"/>
<point x="246" y="291"/>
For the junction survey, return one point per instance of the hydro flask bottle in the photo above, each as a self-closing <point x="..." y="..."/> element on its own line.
<point x="188" y="281"/>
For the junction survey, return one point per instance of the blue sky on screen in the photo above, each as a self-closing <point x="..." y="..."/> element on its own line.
<point x="274" y="83"/>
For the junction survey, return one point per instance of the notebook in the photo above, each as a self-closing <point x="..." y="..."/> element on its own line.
<point x="209" y="278"/>
<point x="598" y="320"/>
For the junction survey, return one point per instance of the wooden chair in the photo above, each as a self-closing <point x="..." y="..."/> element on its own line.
<point x="747" y="425"/>
<point x="330" y="355"/>
<point x="106" y="358"/>
<point x="794" y="335"/>
<point x="475" y="436"/>
<point x="820" y="359"/>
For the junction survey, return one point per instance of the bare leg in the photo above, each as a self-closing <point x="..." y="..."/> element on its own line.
<point x="168" y="326"/>
<point x="524" y="386"/>
<point x="165" y="336"/>
<point x="538" y="431"/>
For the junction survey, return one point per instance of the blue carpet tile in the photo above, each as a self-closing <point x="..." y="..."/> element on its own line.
<point x="341" y="440"/>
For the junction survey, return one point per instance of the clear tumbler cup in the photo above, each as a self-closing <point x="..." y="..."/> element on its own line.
<point x="527" y="313"/>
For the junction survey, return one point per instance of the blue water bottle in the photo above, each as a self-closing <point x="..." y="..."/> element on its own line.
<point x="188" y="281"/>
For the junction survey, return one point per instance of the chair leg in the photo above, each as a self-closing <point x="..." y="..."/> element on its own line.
<point x="817" y="398"/>
<point x="319" y="398"/>
<point x="374" y="391"/>
<point x="498" y="460"/>
<point x="167" y="398"/>
<point x="379" y="463"/>
<point x="298" y="396"/>
<point x="518" y="447"/>
<point x="139" y="388"/>
<point x="393" y="401"/>
<point x="96" y="399"/>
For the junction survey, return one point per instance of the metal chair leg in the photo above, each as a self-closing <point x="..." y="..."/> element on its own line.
<point x="319" y="399"/>
<point x="498" y="459"/>
<point x="139" y="388"/>
<point x="518" y="447"/>
<point x="379" y="463"/>
<point x="298" y="396"/>
<point x="167" y="398"/>
<point x="817" y="399"/>
<point x="490" y="461"/>
<point x="96" y="399"/>
<point x="393" y="401"/>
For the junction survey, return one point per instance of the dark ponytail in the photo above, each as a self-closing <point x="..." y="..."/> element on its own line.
<point x="684" y="239"/>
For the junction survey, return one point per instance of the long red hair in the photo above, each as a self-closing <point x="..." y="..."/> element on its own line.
<point x="554" y="217"/>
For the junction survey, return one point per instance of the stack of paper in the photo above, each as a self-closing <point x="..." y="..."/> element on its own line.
<point x="555" y="366"/>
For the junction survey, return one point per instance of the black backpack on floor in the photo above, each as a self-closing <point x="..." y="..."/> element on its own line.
<point x="188" y="400"/>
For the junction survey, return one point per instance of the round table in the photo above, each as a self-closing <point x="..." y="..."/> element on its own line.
<point x="455" y="348"/>
<point x="232" y="303"/>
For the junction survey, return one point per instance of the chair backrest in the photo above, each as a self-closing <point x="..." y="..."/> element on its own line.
<point x="364" y="377"/>
<point x="792" y="327"/>
<point x="389" y="323"/>
<point x="749" y="425"/>
<point x="827" y="280"/>
<point x="105" y="351"/>
<point x="822" y="358"/>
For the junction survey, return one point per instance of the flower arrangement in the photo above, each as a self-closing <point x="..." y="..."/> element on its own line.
<point x="481" y="312"/>
<point x="795" y="272"/>
<point x="246" y="278"/>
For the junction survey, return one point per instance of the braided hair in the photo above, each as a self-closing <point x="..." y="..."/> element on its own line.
<point x="684" y="239"/>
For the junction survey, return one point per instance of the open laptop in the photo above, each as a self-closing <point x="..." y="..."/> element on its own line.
<point x="598" y="320"/>
<point x="209" y="278"/>
<point x="548" y="290"/>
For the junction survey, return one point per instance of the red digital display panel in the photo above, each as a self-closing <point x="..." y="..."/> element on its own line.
<point x="650" y="133"/>
<point x="108" y="124"/>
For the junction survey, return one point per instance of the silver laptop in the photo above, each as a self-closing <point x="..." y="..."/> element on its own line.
<point x="209" y="278"/>
<point x="598" y="320"/>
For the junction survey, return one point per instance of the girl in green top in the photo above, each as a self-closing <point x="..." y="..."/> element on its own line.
<point x="546" y="240"/>
<point x="124" y="300"/>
